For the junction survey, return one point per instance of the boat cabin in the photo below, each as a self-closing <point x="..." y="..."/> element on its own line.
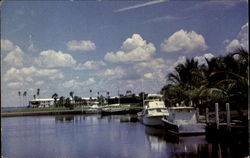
<point x="182" y="115"/>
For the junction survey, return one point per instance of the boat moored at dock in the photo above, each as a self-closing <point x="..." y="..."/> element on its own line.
<point x="94" y="108"/>
<point x="182" y="121"/>
<point x="114" y="109"/>
<point x="153" y="111"/>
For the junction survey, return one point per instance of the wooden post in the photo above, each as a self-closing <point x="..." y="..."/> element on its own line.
<point x="217" y="115"/>
<point x="197" y="114"/>
<point x="228" y="117"/>
<point x="207" y="115"/>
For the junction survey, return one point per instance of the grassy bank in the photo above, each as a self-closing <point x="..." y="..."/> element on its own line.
<point x="53" y="110"/>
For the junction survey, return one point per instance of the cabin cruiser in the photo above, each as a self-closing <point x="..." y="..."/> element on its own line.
<point x="114" y="109"/>
<point x="183" y="121"/>
<point x="93" y="108"/>
<point x="153" y="111"/>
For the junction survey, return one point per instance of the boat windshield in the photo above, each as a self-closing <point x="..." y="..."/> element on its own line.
<point x="157" y="110"/>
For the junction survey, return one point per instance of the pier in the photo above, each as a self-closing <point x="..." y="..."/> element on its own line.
<point x="221" y="128"/>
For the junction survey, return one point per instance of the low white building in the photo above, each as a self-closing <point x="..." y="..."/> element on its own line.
<point x="46" y="102"/>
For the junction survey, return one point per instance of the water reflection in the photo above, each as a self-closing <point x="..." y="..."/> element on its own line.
<point x="120" y="118"/>
<point x="65" y="118"/>
<point x="104" y="137"/>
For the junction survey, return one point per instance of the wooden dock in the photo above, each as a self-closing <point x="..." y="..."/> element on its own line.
<point x="233" y="129"/>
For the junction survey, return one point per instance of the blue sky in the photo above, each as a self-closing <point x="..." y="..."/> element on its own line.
<point x="63" y="46"/>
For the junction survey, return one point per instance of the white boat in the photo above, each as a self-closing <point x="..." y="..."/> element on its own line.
<point x="93" y="108"/>
<point x="114" y="109"/>
<point x="153" y="111"/>
<point x="183" y="121"/>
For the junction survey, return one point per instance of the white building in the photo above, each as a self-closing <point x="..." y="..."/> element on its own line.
<point x="46" y="102"/>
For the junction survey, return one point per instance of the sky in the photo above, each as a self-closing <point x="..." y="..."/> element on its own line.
<point x="114" y="46"/>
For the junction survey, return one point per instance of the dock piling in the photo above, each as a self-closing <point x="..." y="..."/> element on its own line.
<point x="207" y="115"/>
<point x="197" y="114"/>
<point x="228" y="117"/>
<point x="217" y="115"/>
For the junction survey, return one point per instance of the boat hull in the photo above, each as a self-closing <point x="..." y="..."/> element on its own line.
<point x="152" y="120"/>
<point x="93" y="111"/>
<point x="109" y="112"/>
<point x="184" y="129"/>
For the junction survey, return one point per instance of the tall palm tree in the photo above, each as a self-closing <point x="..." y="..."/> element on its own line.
<point x="71" y="94"/>
<point x="186" y="80"/>
<point x="19" y="94"/>
<point x="38" y="92"/>
<point x="90" y="91"/>
<point x="25" y="97"/>
<point x="55" y="97"/>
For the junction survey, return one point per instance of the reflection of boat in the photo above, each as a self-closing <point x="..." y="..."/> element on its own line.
<point x="183" y="121"/>
<point x="155" y="131"/>
<point x="93" y="108"/>
<point x="153" y="111"/>
<point x="191" y="146"/>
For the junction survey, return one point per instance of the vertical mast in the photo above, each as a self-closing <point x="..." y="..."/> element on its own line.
<point x="142" y="93"/>
<point x="118" y="93"/>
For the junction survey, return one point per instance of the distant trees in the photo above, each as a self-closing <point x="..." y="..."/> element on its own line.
<point x="222" y="79"/>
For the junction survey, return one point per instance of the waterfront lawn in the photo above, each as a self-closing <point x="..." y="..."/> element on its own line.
<point x="53" y="108"/>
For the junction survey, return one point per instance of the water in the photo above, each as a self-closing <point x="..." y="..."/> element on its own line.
<point x="96" y="136"/>
<point x="12" y="108"/>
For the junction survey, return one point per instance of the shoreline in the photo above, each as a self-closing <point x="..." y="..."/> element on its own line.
<point x="59" y="112"/>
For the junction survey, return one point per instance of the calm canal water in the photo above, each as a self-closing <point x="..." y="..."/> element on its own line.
<point x="96" y="136"/>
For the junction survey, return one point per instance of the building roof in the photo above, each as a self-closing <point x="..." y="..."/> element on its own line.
<point x="43" y="99"/>
<point x="88" y="98"/>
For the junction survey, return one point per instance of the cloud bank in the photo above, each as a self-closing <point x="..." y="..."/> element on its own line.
<point x="184" y="42"/>
<point x="133" y="49"/>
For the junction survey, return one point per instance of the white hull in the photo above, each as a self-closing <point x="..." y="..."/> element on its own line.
<point x="184" y="129"/>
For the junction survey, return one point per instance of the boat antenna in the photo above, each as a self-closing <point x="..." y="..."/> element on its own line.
<point x="142" y="93"/>
<point x="118" y="92"/>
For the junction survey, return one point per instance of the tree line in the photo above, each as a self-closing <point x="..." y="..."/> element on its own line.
<point x="221" y="79"/>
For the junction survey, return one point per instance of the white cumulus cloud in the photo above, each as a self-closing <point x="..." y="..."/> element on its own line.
<point x="81" y="45"/>
<point x="78" y="84"/>
<point x="115" y="73"/>
<point x="7" y="45"/>
<point x="27" y="74"/>
<point x="241" y="40"/>
<point x="149" y="75"/>
<point x="184" y="42"/>
<point x="90" y="65"/>
<point x="52" y="59"/>
<point x="15" y="57"/>
<point x="15" y="85"/>
<point x="133" y="49"/>
<point x="202" y="60"/>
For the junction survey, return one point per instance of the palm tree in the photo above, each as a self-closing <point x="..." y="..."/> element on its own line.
<point x="71" y="94"/>
<point x="55" y="97"/>
<point x="38" y="92"/>
<point x="90" y="91"/>
<point x="25" y="97"/>
<point x="186" y="80"/>
<point x="19" y="94"/>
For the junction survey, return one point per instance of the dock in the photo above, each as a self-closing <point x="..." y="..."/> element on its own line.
<point x="226" y="129"/>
